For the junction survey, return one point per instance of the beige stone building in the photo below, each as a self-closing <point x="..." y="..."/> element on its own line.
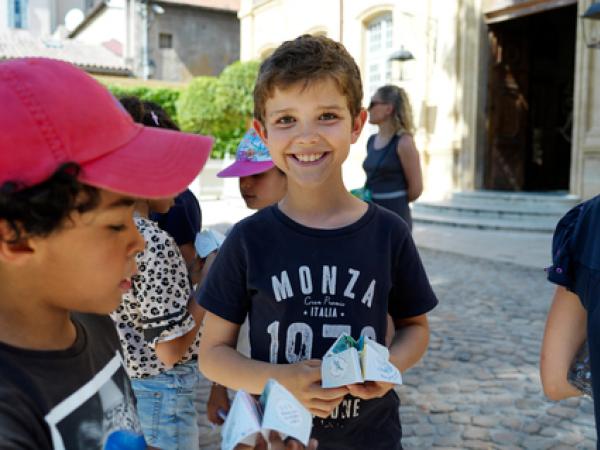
<point x="505" y="93"/>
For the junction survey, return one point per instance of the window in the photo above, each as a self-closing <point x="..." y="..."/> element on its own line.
<point x="165" y="40"/>
<point x="379" y="41"/>
<point x="17" y="13"/>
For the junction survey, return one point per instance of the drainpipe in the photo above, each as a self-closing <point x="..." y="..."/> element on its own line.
<point x="144" y="41"/>
<point x="341" y="39"/>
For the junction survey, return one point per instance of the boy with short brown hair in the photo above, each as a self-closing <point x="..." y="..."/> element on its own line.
<point x="318" y="263"/>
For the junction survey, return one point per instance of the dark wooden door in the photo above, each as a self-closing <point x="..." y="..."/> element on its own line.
<point x="552" y="69"/>
<point x="508" y="93"/>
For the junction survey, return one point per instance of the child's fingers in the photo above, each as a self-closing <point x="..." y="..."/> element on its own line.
<point x="322" y="401"/>
<point x="328" y="393"/>
<point x="311" y="370"/>
<point x="370" y="389"/>
<point x="323" y="408"/>
<point x="312" y="444"/>
<point x="319" y="413"/>
<point x="213" y="417"/>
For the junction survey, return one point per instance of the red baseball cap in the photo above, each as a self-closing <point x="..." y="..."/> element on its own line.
<point x="54" y="113"/>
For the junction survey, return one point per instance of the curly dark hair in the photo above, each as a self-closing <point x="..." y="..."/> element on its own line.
<point x="41" y="209"/>
<point x="148" y="113"/>
<point x="307" y="59"/>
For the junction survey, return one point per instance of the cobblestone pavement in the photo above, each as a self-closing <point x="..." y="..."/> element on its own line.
<point x="478" y="386"/>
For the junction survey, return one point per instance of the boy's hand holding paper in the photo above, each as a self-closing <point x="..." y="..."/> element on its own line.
<point x="276" y="410"/>
<point x="348" y="362"/>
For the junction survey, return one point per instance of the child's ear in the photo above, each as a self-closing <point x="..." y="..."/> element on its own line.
<point x="11" y="250"/>
<point x="260" y="130"/>
<point x="358" y="124"/>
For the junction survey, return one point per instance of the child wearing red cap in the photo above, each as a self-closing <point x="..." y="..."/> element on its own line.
<point x="72" y="163"/>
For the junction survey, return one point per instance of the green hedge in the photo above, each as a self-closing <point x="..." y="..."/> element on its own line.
<point x="221" y="107"/>
<point x="165" y="97"/>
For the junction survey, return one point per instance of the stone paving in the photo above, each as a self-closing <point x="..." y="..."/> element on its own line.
<point x="478" y="386"/>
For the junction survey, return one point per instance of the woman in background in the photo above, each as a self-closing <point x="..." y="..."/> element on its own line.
<point x="392" y="164"/>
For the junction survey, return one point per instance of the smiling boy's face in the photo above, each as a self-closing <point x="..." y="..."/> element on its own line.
<point x="87" y="264"/>
<point x="309" y="130"/>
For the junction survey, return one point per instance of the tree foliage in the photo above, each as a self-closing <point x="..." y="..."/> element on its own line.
<point x="164" y="96"/>
<point x="221" y="106"/>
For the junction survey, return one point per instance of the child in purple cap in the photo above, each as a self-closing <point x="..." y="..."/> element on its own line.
<point x="71" y="167"/>
<point x="261" y="183"/>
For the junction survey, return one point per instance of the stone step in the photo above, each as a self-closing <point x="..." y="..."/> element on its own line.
<point x="489" y="210"/>
<point x="497" y="210"/>
<point x="523" y="225"/>
<point x="557" y="199"/>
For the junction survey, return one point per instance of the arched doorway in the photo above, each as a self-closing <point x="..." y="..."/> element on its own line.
<point x="530" y="97"/>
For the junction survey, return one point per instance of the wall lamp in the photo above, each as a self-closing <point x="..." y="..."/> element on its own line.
<point x="591" y="26"/>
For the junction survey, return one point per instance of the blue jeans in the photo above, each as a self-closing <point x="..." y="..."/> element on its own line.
<point x="166" y="407"/>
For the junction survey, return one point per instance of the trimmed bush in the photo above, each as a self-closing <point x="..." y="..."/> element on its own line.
<point x="221" y="107"/>
<point x="196" y="108"/>
<point x="165" y="97"/>
<point x="234" y="91"/>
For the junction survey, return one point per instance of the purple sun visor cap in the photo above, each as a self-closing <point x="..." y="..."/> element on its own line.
<point x="251" y="157"/>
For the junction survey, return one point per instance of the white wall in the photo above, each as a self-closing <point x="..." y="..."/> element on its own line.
<point x="109" y="24"/>
<point x="274" y="22"/>
<point x="424" y="28"/>
<point x="3" y="15"/>
<point x="41" y="17"/>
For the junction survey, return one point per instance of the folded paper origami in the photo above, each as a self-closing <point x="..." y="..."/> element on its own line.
<point x="276" y="409"/>
<point x="349" y="361"/>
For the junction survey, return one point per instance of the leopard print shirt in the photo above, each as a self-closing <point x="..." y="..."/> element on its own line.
<point x="155" y="308"/>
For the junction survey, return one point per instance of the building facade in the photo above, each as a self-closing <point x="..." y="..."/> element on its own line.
<point x="39" y="17"/>
<point x="172" y="40"/>
<point x="504" y="92"/>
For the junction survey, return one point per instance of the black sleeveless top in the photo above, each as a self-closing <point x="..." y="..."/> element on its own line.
<point x="388" y="176"/>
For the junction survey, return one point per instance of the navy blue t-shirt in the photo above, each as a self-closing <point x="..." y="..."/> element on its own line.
<point x="183" y="220"/>
<point x="576" y="266"/>
<point x="302" y="287"/>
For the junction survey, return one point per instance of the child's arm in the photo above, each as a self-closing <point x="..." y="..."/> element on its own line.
<point x="170" y="323"/>
<point x="170" y="352"/>
<point x="410" y="341"/>
<point x="565" y="333"/>
<point x="222" y="363"/>
<point x="411" y="166"/>
<point x="408" y="347"/>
